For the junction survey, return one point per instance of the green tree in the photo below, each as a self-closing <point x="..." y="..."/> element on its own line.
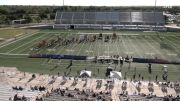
<point x="27" y="18"/>
<point x="38" y="19"/>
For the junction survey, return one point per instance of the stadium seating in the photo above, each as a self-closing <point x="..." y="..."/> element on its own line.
<point x="112" y="20"/>
<point x="117" y="18"/>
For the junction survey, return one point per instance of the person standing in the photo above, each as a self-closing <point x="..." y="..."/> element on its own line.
<point x="156" y="77"/>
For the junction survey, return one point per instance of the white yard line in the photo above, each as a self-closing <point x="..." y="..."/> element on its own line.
<point x="58" y="51"/>
<point x="132" y="45"/>
<point x="117" y="44"/>
<point x="173" y="45"/>
<point x="34" y="43"/>
<point x="21" y="38"/>
<point x="72" y="48"/>
<point x="177" y="38"/>
<point x="98" y="46"/>
<point x="26" y="43"/>
<point x="89" y="49"/>
<point x="155" y="42"/>
<point x="108" y="49"/>
<point x="80" y="49"/>
<point x="13" y="54"/>
<point x="141" y="48"/>
<point x="124" y="44"/>
<point x="95" y="49"/>
<point x="64" y="45"/>
<point x="157" y="51"/>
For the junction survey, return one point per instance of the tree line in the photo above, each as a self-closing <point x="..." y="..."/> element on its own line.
<point x="35" y="14"/>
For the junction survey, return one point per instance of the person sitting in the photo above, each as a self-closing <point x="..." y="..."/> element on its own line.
<point x="24" y="98"/>
<point x="20" y="88"/>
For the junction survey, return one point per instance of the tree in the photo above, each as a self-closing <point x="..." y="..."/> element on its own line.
<point x="43" y="15"/>
<point x="38" y="19"/>
<point x="27" y="18"/>
<point x="2" y="19"/>
<point x="52" y="15"/>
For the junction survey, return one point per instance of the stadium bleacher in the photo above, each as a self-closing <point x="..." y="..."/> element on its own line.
<point x="129" y="20"/>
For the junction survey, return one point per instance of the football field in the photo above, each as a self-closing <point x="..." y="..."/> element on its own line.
<point x="163" y="45"/>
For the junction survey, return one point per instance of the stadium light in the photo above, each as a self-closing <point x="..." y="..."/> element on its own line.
<point x="155" y="2"/>
<point x="63" y="3"/>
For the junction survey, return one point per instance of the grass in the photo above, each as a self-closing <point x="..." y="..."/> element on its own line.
<point x="146" y="45"/>
<point x="13" y="32"/>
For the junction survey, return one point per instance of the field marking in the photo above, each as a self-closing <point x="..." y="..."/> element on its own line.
<point x="20" y="38"/>
<point x="51" y="50"/>
<point x="26" y="43"/>
<point x="89" y="51"/>
<point x="108" y="52"/>
<point x="132" y="45"/>
<point x="14" y="54"/>
<point x="96" y="47"/>
<point x="48" y="39"/>
<point x="172" y="44"/>
<point x="124" y="44"/>
<point x="70" y="50"/>
<point x="128" y="52"/>
<point x="177" y="38"/>
<point x="152" y="46"/>
<point x="167" y="51"/>
<point x="63" y="47"/>
<point x="108" y="49"/>
<point x="141" y="47"/>
<point x="57" y="49"/>
<point x="72" y="47"/>
<point x="97" y="41"/>
<point x="116" y="45"/>
<point x="150" y="53"/>
<point x="171" y="54"/>
<point x="34" y="43"/>
<point x="80" y="48"/>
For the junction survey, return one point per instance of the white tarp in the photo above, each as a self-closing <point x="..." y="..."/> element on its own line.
<point x="116" y="74"/>
<point x="85" y="73"/>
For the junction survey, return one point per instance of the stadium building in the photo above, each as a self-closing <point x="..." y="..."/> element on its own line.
<point x="110" y="20"/>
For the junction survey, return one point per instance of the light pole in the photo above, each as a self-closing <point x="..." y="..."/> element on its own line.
<point x="155" y="13"/>
<point x="63" y="3"/>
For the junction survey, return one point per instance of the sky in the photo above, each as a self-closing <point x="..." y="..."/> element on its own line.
<point x="92" y="2"/>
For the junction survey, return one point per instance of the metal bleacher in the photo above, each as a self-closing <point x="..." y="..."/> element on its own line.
<point x="90" y="19"/>
<point x="6" y="92"/>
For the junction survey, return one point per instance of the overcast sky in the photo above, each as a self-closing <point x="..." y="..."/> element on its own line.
<point x="92" y="2"/>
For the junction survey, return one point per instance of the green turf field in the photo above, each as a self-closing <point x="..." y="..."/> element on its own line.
<point x="13" y="32"/>
<point x="164" y="45"/>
